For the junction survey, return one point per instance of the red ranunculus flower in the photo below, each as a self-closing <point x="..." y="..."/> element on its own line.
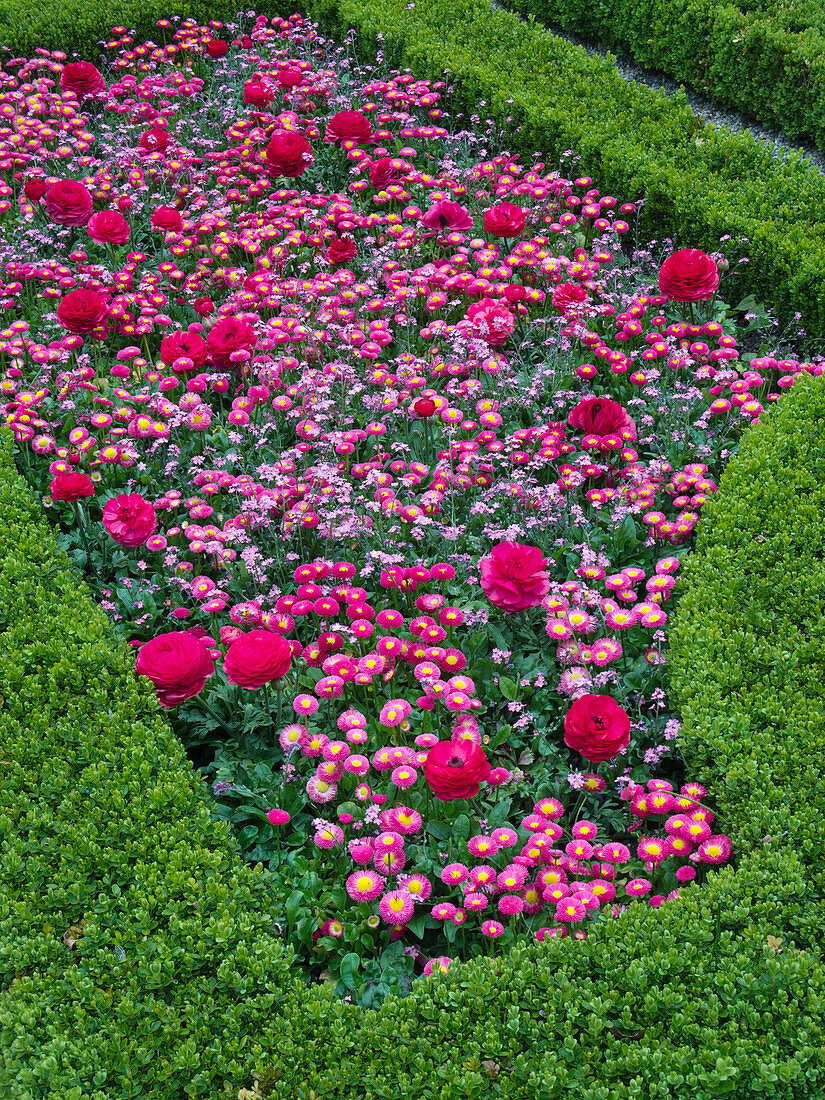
<point x="257" y="658"/>
<point x="257" y="93"/>
<point x="569" y="297"/>
<point x="504" y="220"/>
<point x="216" y="47"/>
<point x="72" y="486"/>
<point x="597" y="727"/>
<point x="155" y="140"/>
<point x="130" y="519"/>
<point x="203" y="306"/>
<point x="178" y="664"/>
<point x="456" y="769"/>
<point x="491" y="321"/>
<point x="382" y="173"/>
<point x="83" y="78"/>
<point x="288" y="154"/>
<point x="183" y="345"/>
<point x="166" y="218"/>
<point x="69" y="203"/>
<point x="109" y="227"/>
<point x="349" y="126"/>
<point x="689" y="275"/>
<point x="228" y="335"/>
<point x="35" y="189"/>
<point x="424" y="407"/>
<point x="446" y="214"/>
<point x="601" y="416"/>
<point x="82" y="310"/>
<point x="514" y="576"/>
<point x="341" y="250"/>
<point x="289" y="78"/>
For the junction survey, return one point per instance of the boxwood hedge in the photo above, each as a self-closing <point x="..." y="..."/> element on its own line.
<point x="138" y="955"/>
<point x="768" y="62"/>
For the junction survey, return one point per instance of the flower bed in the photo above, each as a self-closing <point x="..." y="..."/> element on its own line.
<point x="527" y="677"/>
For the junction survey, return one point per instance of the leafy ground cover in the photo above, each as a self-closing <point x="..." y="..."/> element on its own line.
<point x="383" y="449"/>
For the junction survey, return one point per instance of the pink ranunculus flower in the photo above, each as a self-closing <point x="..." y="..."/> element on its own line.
<point x="68" y="202"/>
<point x="597" y="727"/>
<point x="257" y="658"/>
<point x="570" y="297"/>
<point x="689" y="275"/>
<point x="177" y="663"/>
<point x="505" y="219"/>
<point x="515" y="577"/>
<point x="447" y="214"/>
<point x="602" y="416"/>
<point x="130" y="519"/>
<point x="492" y="321"/>
<point x="456" y="769"/>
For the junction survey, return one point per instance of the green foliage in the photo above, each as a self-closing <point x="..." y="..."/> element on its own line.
<point x="699" y="181"/>
<point x="766" y="59"/>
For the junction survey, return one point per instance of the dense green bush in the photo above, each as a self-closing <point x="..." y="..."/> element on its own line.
<point x="699" y="181"/>
<point x="106" y="832"/>
<point x="765" y="60"/>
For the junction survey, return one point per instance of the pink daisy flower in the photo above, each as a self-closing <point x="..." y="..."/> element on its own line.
<point x="638" y="887"/>
<point x="483" y="877"/>
<point x="404" y="776"/>
<point x="585" y="830"/>
<point x="716" y="849"/>
<point x="394" y="712"/>
<point x="482" y="846"/>
<point x="443" y="910"/>
<point x="396" y="907"/>
<point x="510" y="904"/>
<point x="454" y="873"/>
<point x="329" y="836"/>
<point x="492" y="928"/>
<point x="473" y="900"/>
<point x="401" y="819"/>
<point x="364" y="885"/>
<point x="505" y="837"/>
<point x="389" y="863"/>
<point x="418" y="887"/>
<point x="570" y="910"/>
<point x="439" y="965"/>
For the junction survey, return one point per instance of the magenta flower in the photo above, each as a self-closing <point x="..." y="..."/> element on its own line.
<point x="129" y="519"/>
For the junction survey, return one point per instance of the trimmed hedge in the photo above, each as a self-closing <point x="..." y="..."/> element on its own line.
<point x="633" y="140"/>
<point x="105" y="825"/>
<point x="137" y="951"/>
<point x="770" y="63"/>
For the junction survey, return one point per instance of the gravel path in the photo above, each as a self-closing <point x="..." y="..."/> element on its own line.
<point x="775" y="140"/>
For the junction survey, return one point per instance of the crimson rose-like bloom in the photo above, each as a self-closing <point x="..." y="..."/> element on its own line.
<point x="383" y="173"/>
<point x="83" y="78"/>
<point x="492" y="321"/>
<point x="258" y="94"/>
<point x="130" y="519"/>
<point x="289" y="78"/>
<point x="216" y="47"/>
<point x="514" y="576"/>
<point x="601" y="416"/>
<point x="35" y="189"/>
<point x="109" y="227"/>
<point x="597" y="727"/>
<point x="341" y="250"/>
<point x="155" y="140"/>
<point x="288" y="155"/>
<point x="228" y="335"/>
<point x="72" y="486"/>
<point x="178" y="664"/>
<point x="166" y="218"/>
<point x="69" y="203"/>
<point x="456" y="769"/>
<point x="256" y="658"/>
<point x="183" y="345"/>
<point x="569" y="297"/>
<point x="689" y="275"/>
<point x="446" y="214"/>
<point x="348" y="126"/>
<point x="82" y="310"/>
<point x="504" y="220"/>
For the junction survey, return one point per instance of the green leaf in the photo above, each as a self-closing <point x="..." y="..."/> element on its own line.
<point x="508" y="687"/>
<point x="499" y="814"/>
<point x="349" y="970"/>
<point x="293" y="904"/>
<point x="461" y="829"/>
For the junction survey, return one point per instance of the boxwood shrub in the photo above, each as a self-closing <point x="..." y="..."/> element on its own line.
<point x="138" y="955"/>
<point x="768" y="62"/>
